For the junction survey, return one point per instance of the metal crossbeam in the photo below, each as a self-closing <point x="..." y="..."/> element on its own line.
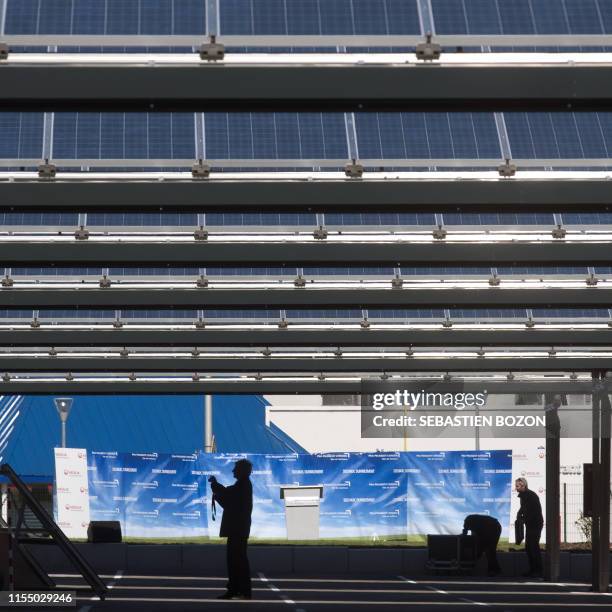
<point x="50" y="84"/>
<point x="202" y="254"/>
<point x="297" y="337"/>
<point x="289" y="387"/>
<point x="304" y="298"/>
<point x="278" y="195"/>
<point x="308" y="40"/>
<point x="345" y="365"/>
<point x="464" y="163"/>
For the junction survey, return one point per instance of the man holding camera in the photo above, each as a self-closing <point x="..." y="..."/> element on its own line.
<point x="237" y="503"/>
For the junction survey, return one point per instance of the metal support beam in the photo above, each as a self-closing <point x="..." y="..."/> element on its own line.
<point x="553" y="466"/>
<point x="282" y="195"/>
<point x="307" y="40"/>
<point x="370" y="164"/>
<point x="448" y="337"/>
<point x="202" y="253"/>
<point x="604" y="485"/>
<point x="263" y="386"/>
<point x="308" y="86"/>
<point x="595" y="490"/>
<point x="600" y="534"/>
<point x="233" y="387"/>
<point x="304" y="298"/>
<point x="346" y="365"/>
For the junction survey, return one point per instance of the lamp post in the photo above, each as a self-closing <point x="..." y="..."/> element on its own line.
<point x="63" y="406"/>
<point x="208" y="424"/>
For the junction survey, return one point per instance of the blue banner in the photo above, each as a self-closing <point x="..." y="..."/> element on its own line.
<point x="152" y="495"/>
<point x="444" y="487"/>
<point x="365" y="495"/>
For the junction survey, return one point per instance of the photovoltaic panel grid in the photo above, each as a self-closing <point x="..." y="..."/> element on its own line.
<point x="306" y="136"/>
<point x="319" y="17"/>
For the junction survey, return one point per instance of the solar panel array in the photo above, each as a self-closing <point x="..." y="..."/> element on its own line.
<point x="307" y="136"/>
<point x="295" y="17"/>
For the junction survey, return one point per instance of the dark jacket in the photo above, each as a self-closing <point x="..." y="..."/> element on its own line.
<point x="237" y="503"/>
<point x="530" y="511"/>
<point x="482" y="526"/>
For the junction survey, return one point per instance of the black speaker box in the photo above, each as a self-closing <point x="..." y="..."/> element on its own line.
<point x="451" y="551"/>
<point x="104" y="531"/>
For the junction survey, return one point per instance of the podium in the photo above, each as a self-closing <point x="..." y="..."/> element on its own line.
<point x="302" y="510"/>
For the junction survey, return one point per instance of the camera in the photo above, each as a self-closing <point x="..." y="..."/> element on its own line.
<point x="212" y="479"/>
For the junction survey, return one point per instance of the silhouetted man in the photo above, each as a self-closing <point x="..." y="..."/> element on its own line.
<point x="237" y="503"/>
<point x="530" y="513"/>
<point x="487" y="531"/>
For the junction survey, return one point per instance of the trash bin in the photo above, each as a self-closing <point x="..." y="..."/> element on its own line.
<point x="302" y="510"/>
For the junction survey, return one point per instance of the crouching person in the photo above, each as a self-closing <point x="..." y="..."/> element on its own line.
<point x="487" y="530"/>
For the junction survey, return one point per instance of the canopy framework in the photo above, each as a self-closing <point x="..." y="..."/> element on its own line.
<point x="317" y="82"/>
<point x="47" y="337"/>
<point x="442" y="192"/>
<point x="527" y="85"/>
<point x="389" y="251"/>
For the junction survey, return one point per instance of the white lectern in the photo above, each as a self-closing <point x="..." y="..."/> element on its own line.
<point x="302" y="510"/>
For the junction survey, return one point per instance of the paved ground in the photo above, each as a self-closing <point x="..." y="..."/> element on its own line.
<point x="291" y="593"/>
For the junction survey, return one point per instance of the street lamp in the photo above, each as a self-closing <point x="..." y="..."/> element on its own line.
<point x="63" y="406"/>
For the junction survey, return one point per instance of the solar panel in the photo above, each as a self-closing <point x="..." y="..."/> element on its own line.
<point x="142" y="219"/>
<point x="320" y="17"/>
<point x="150" y="17"/>
<point x="35" y="218"/>
<point x="562" y="135"/>
<point x="124" y="136"/>
<point x="275" y="136"/>
<point x="522" y="16"/>
<point x="21" y="135"/>
<point x="427" y="135"/>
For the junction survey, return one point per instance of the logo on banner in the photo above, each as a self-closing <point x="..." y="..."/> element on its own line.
<point x="189" y="458"/>
<point x="430" y="484"/>
<point x="306" y="471"/>
<point x="334" y="456"/>
<point x="73" y="508"/>
<point x="73" y="473"/>
<point x="107" y="483"/>
<point x="477" y="485"/>
<point x="338" y="485"/>
<point x="479" y="455"/>
<point x="359" y="471"/>
<point x="150" y="484"/>
<point x="384" y="456"/>
<point x="385" y="513"/>
<point x="191" y="486"/>
<point x="385" y="485"/>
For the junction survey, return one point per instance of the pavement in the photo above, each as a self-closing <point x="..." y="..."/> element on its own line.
<point x="342" y="593"/>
